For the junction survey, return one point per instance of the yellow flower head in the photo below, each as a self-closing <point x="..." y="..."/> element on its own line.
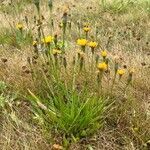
<point x="56" y="51"/>
<point x="34" y="43"/>
<point x="104" y="53"/>
<point x="121" y="72"/>
<point x="47" y="40"/>
<point x="82" y="42"/>
<point x="86" y="29"/>
<point x="102" y="66"/>
<point x="19" y="26"/>
<point x="92" y="44"/>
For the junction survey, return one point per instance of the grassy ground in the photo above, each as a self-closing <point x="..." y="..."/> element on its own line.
<point x="62" y="100"/>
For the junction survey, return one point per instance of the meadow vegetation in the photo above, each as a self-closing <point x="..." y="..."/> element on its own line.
<point x="75" y="74"/>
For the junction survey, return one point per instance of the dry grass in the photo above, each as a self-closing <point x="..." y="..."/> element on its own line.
<point x="127" y="126"/>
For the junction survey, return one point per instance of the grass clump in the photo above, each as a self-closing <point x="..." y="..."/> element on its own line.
<point x="73" y="113"/>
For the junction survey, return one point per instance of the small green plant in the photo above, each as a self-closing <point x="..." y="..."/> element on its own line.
<point x="6" y="36"/>
<point x="5" y="98"/>
<point x="73" y="113"/>
<point x="2" y="86"/>
<point x="7" y="103"/>
<point x="14" y="37"/>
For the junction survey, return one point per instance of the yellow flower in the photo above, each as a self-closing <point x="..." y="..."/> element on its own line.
<point x="34" y="43"/>
<point x="121" y="72"/>
<point x="82" y="42"/>
<point x="92" y="44"/>
<point x="102" y="66"/>
<point x="104" y="53"/>
<point x="19" y="26"/>
<point x="56" y="51"/>
<point x="86" y="29"/>
<point x="47" y="40"/>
